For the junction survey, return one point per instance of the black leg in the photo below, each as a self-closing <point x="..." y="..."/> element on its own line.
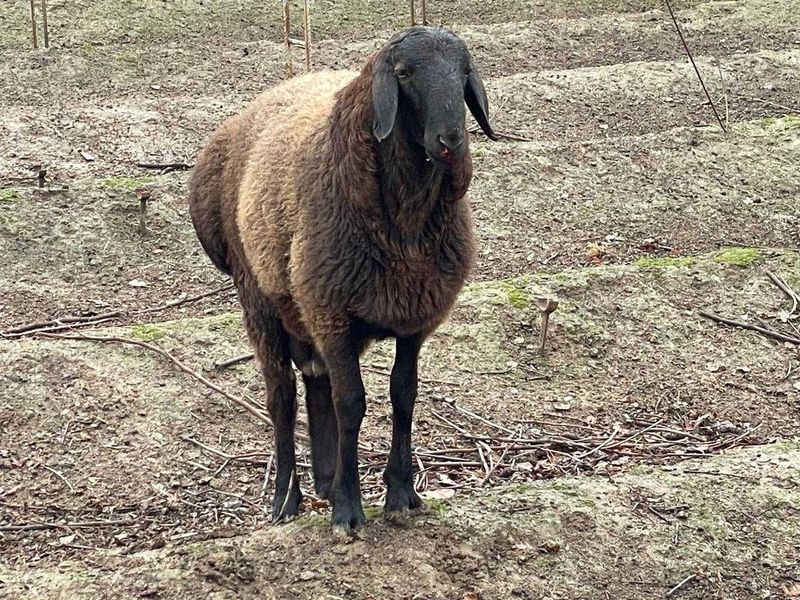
<point x="349" y="402"/>
<point x="324" y="432"/>
<point x="271" y="345"/>
<point x="399" y="477"/>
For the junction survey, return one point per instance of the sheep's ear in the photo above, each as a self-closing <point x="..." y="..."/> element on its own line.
<point x="475" y="96"/>
<point x="384" y="100"/>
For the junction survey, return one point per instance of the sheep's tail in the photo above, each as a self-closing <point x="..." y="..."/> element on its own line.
<point x="206" y="206"/>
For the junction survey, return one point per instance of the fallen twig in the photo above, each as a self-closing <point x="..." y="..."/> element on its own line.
<point x="241" y="402"/>
<point x="85" y="321"/>
<point x="165" y="167"/>
<point x="225" y="364"/>
<point x="504" y="135"/>
<point x="785" y="289"/>
<point x="60" y="476"/>
<point x="69" y="525"/>
<point x="767" y="332"/>
<point x="680" y="585"/>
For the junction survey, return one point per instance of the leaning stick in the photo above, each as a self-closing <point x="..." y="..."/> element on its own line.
<point x="287" y="26"/>
<point x="696" y="70"/>
<point x="307" y="35"/>
<point x="44" y="24"/>
<point x="33" y="24"/>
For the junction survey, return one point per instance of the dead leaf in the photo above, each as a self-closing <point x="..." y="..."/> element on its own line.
<point x="88" y="156"/>
<point x="440" y="494"/>
<point x="471" y="596"/>
<point x="792" y="590"/>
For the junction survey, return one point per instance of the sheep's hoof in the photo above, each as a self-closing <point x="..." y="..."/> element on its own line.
<point x="348" y="517"/>
<point x="285" y="508"/>
<point x="323" y="488"/>
<point x="401" y="503"/>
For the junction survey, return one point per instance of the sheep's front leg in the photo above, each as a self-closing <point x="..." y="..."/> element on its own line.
<point x="349" y="402"/>
<point x="400" y="494"/>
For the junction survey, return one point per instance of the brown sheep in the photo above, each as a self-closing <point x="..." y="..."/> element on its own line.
<point x="336" y="202"/>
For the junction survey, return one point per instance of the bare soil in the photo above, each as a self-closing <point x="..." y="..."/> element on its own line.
<point x="661" y="454"/>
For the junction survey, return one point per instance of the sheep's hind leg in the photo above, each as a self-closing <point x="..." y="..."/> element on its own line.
<point x="321" y="416"/>
<point x="271" y="345"/>
<point x="401" y="498"/>
<point x="349" y="402"/>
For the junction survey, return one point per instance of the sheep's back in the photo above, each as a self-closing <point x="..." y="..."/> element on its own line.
<point x="278" y="125"/>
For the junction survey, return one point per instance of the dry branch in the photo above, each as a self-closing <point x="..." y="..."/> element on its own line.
<point x="762" y="330"/>
<point x="68" y="525"/>
<point x="73" y="322"/>
<point x="241" y="402"/>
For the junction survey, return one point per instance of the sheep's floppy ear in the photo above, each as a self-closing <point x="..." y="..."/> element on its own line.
<point x="384" y="99"/>
<point x="475" y="96"/>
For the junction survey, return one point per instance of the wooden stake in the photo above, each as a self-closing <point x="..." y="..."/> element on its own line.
<point x="413" y="14"/>
<point x="307" y="33"/>
<point x="287" y="26"/>
<point x="33" y="24"/>
<point x="425" y="12"/>
<point x="44" y="24"/>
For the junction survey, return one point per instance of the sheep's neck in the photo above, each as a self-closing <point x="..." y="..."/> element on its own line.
<point x="416" y="197"/>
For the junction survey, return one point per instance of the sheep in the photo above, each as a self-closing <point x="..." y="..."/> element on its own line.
<point x="336" y="202"/>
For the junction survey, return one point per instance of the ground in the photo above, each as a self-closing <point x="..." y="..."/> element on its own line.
<point x="648" y="453"/>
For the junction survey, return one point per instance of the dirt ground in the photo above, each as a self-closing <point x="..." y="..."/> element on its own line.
<point x="650" y="453"/>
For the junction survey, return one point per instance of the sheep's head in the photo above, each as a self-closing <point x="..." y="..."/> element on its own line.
<point x="421" y="80"/>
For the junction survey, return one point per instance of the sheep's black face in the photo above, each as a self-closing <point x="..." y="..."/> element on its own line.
<point x="421" y="81"/>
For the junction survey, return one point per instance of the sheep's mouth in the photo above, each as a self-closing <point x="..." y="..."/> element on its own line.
<point x="443" y="159"/>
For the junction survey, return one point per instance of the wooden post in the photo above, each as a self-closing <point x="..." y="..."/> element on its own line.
<point x="307" y="33"/>
<point x="425" y="12"/>
<point x="44" y="24"/>
<point x="33" y="24"/>
<point x="413" y="14"/>
<point x="287" y="26"/>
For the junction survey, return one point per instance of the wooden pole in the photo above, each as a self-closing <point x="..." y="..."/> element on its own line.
<point x="33" y="24"/>
<point x="44" y="24"/>
<point x="425" y="12"/>
<point x="413" y="14"/>
<point x="287" y="25"/>
<point x="307" y="33"/>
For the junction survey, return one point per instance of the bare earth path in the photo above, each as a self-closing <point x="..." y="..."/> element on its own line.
<point x="650" y="453"/>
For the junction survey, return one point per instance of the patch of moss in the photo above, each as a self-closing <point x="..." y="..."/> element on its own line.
<point x="740" y="257"/>
<point x="9" y="195"/>
<point x="663" y="262"/>
<point x="787" y="122"/>
<point x="127" y="184"/>
<point x="511" y="291"/>
<point x="147" y="333"/>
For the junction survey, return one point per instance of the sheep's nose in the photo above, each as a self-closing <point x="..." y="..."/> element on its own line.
<point x="452" y="141"/>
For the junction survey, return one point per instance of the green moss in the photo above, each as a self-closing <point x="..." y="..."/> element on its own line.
<point x="9" y="195"/>
<point x="654" y="262"/>
<point x="511" y="291"/>
<point x="148" y="333"/>
<point x="740" y="257"/>
<point x="787" y="122"/>
<point x="127" y="183"/>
